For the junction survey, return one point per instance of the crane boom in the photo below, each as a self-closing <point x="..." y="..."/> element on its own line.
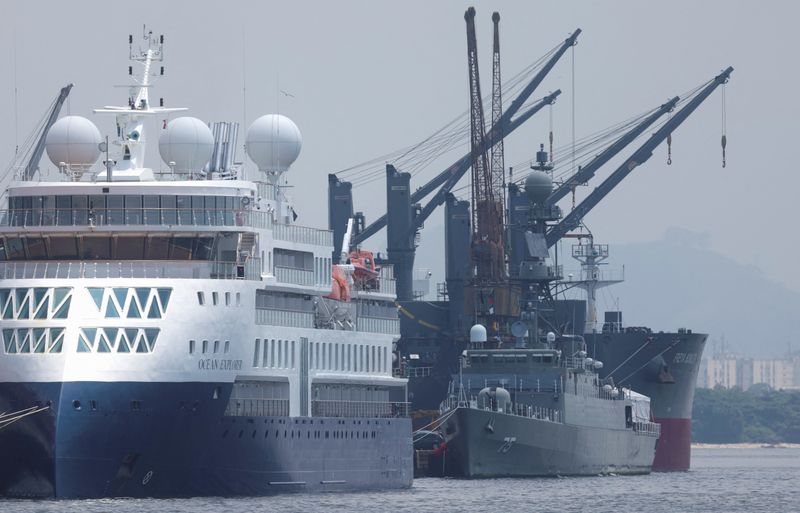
<point x="486" y="212"/>
<point x="497" y="154"/>
<point x="457" y="169"/>
<point x="463" y="164"/>
<point x="33" y="164"/>
<point x="586" y="173"/>
<point x="645" y="151"/>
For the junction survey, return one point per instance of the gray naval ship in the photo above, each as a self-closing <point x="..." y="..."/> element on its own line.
<point x="541" y="409"/>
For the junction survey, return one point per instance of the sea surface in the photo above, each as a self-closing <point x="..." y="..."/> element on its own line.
<point x="721" y="480"/>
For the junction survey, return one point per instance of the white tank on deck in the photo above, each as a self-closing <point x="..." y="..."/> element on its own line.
<point x="73" y="141"/>
<point x="188" y="142"/>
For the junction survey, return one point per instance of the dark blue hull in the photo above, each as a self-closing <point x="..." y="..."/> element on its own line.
<point x="173" y="440"/>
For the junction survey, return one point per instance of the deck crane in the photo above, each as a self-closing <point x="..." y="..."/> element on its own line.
<point x="487" y="211"/>
<point x="586" y="173"/>
<point x="36" y="155"/>
<point x="639" y="157"/>
<point x="497" y="157"/>
<point x="448" y="178"/>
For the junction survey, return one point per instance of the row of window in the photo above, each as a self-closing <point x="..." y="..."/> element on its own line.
<point x="276" y="354"/>
<point x="280" y="354"/>
<point x="24" y="303"/>
<point x="131" y="303"/>
<point x="123" y="210"/>
<point x="208" y="347"/>
<point x="124" y="247"/>
<point x="201" y="298"/>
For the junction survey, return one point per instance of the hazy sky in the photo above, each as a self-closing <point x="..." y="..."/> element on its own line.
<point x="371" y="77"/>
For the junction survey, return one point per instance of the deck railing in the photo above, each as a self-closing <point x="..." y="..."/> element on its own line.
<point x="270" y="317"/>
<point x="183" y="269"/>
<point x="257" y="408"/>
<point x="332" y="408"/>
<point x="294" y="275"/>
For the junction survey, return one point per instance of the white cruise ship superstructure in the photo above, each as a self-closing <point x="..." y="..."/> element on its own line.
<point x="175" y="333"/>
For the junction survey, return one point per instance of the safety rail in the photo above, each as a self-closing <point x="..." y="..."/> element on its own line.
<point x="257" y="408"/>
<point x="418" y="372"/>
<point x="183" y="269"/>
<point x="647" y="429"/>
<point x="294" y="275"/>
<point x="516" y="409"/>
<point x="292" y="319"/>
<point x="378" y="325"/>
<point x="334" y="408"/>
<point x="139" y="217"/>
<point x="302" y="234"/>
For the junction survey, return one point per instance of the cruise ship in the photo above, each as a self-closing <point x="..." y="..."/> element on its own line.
<point x="174" y="332"/>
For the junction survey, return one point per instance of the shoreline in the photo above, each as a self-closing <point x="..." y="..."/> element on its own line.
<point x="746" y="446"/>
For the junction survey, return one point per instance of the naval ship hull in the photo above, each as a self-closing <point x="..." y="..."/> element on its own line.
<point x="174" y="439"/>
<point x="663" y="366"/>
<point x="524" y="447"/>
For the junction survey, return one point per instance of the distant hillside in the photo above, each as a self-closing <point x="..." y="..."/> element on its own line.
<point x="759" y="415"/>
<point x="677" y="282"/>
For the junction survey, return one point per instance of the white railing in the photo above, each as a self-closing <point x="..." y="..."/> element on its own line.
<point x="302" y="234"/>
<point x="647" y="429"/>
<point x="295" y="276"/>
<point x="184" y="269"/>
<point x="330" y="408"/>
<point x="43" y="219"/>
<point x="518" y="410"/>
<point x="288" y="318"/>
<point x="257" y="408"/>
<point x="378" y="325"/>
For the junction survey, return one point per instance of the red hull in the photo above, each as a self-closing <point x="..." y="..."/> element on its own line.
<point x="674" y="446"/>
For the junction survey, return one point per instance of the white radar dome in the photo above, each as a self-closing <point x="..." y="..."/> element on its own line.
<point x="188" y="142"/>
<point x="538" y="186"/>
<point x="477" y="333"/>
<point x="273" y="142"/>
<point x="74" y="141"/>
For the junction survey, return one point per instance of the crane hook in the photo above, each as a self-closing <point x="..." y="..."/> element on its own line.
<point x="669" y="149"/>
<point x="724" y="144"/>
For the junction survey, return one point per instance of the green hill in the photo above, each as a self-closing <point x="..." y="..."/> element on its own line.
<point x="759" y="415"/>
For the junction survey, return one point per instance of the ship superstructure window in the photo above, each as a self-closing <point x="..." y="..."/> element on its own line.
<point x="191" y="347"/>
<point x="32" y="340"/>
<point x="227" y="346"/>
<point x="216" y="346"/>
<point x="93" y="247"/>
<point x="35" y="303"/>
<point x="131" y="210"/>
<point x="205" y="346"/>
<point x="201" y="299"/>
<point x="227" y="299"/>
<point x="256" y="352"/>
<point x="117" y="340"/>
<point x="214" y="298"/>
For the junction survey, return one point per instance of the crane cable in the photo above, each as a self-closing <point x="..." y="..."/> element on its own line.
<point x="724" y="125"/>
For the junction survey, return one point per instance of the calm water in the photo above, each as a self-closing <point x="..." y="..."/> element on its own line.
<point x="722" y="480"/>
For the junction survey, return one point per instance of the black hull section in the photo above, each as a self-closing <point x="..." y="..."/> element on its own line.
<point x="662" y="366"/>
<point x="173" y="440"/>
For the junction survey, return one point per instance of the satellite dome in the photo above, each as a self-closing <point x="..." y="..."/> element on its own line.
<point x="188" y="142"/>
<point x="273" y="142"/>
<point x="74" y="141"/>
<point x="477" y="333"/>
<point x="538" y="186"/>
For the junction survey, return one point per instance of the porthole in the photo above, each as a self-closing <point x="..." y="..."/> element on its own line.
<point x="76" y="404"/>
